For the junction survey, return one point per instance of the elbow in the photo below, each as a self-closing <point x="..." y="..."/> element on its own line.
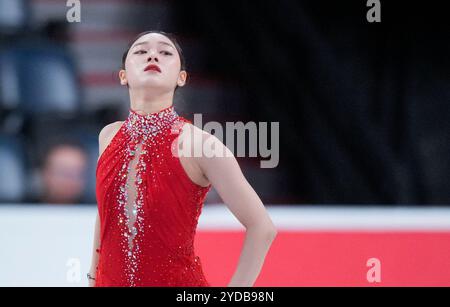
<point x="271" y="230"/>
<point x="272" y="233"/>
<point x="267" y="231"/>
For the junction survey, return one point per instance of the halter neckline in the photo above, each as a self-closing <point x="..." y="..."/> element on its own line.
<point x="147" y="125"/>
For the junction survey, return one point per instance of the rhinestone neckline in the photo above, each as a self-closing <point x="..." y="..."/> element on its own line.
<point x="148" y="125"/>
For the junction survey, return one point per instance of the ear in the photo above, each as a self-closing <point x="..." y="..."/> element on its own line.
<point x="123" y="77"/>
<point x="182" y="78"/>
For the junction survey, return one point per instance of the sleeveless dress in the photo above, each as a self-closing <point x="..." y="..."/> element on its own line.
<point x="148" y="206"/>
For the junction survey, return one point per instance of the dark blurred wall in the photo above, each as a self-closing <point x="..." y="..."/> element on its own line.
<point x="363" y="108"/>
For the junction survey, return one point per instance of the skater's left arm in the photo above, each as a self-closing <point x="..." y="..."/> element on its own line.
<point x="225" y="175"/>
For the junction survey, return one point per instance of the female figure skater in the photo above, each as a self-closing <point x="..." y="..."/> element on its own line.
<point x="150" y="197"/>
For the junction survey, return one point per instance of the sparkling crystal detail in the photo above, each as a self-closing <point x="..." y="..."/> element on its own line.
<point x="142" y="129"/>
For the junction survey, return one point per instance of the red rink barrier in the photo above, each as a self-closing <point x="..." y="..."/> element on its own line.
<point x="333" y="248"/>
<point x="312" y="258"/>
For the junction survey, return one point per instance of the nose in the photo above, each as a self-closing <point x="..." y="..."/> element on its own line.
<point x="149" y="59"/>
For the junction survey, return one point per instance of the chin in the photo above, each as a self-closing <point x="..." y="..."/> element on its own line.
<point x="161" y="87"/>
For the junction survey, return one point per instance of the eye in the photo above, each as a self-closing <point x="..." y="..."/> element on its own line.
<point x="166" y="52"/>
<point x="139" y="52"/>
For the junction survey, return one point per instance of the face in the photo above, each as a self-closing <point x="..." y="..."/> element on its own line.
<point x="158" y="51"/>
<point x="64" y="174"/>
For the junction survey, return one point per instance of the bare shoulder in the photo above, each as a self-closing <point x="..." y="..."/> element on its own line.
<point x="190" y="129"/>
<point x="215" y="162"/>
<point x="110" y="129"/>
<point x="107" y="134"/>
<point x="194" y="137"/>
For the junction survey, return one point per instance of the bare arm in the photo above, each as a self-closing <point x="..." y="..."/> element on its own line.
<point x="105" y="137"/>
<point x="225" y="175"/>
<point x="96" y="245"/>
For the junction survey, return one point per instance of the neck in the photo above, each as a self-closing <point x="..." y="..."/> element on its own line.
<point x="144" y="103"/>
<point x="150" y="124"/>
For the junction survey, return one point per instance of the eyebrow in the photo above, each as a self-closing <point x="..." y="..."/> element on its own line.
<point x="161" y="42"/>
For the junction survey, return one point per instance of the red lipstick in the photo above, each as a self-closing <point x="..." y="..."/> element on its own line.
<point x="152" y="67"/>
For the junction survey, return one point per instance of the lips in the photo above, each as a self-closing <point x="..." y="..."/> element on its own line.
<point x="152" y="67"/>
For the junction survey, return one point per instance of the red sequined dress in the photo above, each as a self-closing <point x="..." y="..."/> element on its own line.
<point x="148" y="206"/>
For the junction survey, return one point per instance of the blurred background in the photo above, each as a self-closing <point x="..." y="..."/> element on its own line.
<point x="363" y="107"/>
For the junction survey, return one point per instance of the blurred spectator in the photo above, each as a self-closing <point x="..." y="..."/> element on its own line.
<point x="63" y="174"/>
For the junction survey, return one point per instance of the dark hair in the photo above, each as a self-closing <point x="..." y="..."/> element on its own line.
<point x="170" y="36"/>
